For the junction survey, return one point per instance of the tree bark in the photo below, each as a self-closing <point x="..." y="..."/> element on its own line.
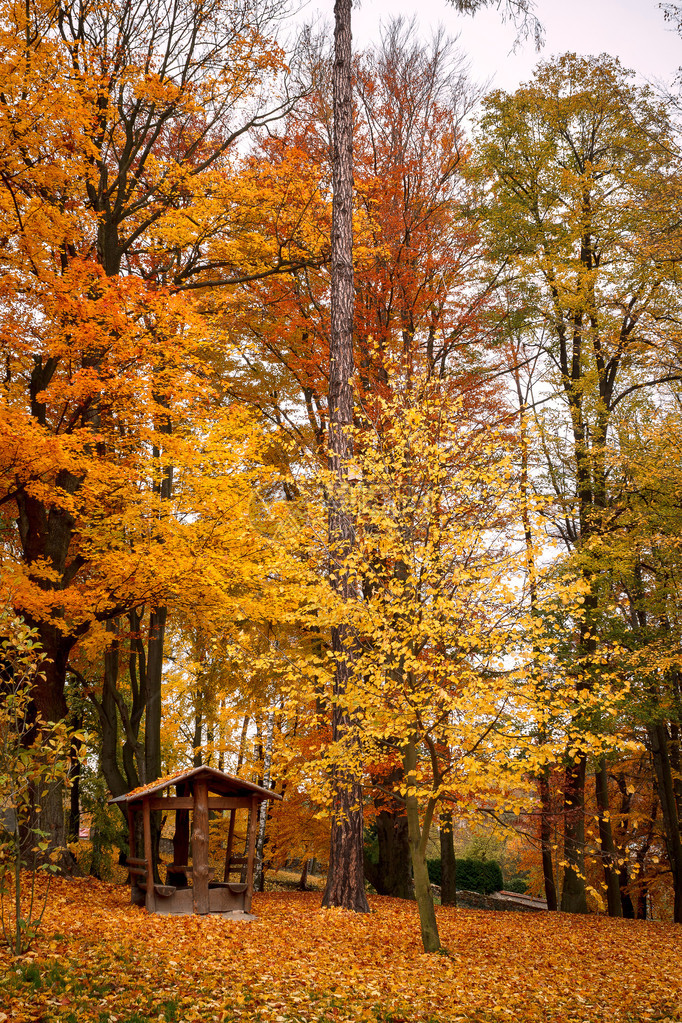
<point x="259" y="880"/>
<point x="303" y="881"/>
<point x="448" y="863"/>
<point x="606" y="842"/>
<point x="75" y="775"/>
<point x="658" y="741"/>
<point x="418" y="837"/>
<point x="573" y="894"/>
<point x="345" y="880"/>
<point x="392" y="874"/>
<point x="546" y="839"/>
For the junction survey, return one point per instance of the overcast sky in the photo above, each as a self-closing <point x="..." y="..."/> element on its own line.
<point x="633" y="30"/>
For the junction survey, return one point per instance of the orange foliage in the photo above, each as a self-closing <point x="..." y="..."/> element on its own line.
<point x="102" y="959"/>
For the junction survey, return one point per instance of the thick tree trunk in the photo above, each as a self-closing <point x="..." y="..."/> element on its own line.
<point x="448" y="863"/>
<point x="346" y="877"/>
<point x="658" y="740"/>
<point x="196" y="742"/>
<point x="546" y="830"/>
<point x="392" y="874"/>
<point x="152" y="724"/>
<point x="606" y="842"/>
<point x="303" y="881"/>
<point x="574" y="894"/>
<point x="345" y="881"/>
<point x="50" y="703"/>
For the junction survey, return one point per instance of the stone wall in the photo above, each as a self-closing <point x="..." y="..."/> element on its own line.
<point x="501" y="901"/>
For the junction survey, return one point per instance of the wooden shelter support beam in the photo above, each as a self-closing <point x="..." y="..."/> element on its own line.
<point x="147" y="823"/>
<point x="200" y="848"/>
<point x="250" y="856"/>
<point x="131" y="832"/>
<point x="180" y="843"/>
<point x="230" y="840"/>
<point x="186" y="802"/>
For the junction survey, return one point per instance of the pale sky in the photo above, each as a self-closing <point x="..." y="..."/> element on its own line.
<point x="633" y="30"/>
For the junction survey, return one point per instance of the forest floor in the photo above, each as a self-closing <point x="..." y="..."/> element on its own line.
<point x="101" y="960"/>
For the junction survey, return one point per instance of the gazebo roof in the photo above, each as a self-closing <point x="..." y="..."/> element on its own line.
<point x="218" y="781"/>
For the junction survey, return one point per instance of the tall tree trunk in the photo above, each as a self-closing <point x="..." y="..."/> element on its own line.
<point x="574" y="894"/>
<point x="345" y="880"/>
<point x="242" y="744"/>
<point x="259" y="879"/>
<point x="196" y="741"/>
<point x="418" y="836"/>
<point x="75" y="775"/>
<point x="152" y="721"/>
<point x="448" y="863"/>
<point x="658" y="741"/>
<point x="606" y="842"/>
<point x="546" y="839"/>
<point x="623" y="875"/>
<point x="152" y="724"/>
<point x="50" y="703"/>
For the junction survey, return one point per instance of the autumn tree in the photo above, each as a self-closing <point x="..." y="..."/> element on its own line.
<point x="570" y="157"/>
<point x="119" y="124"/>
<point x="435" y="506"/>
<point x="420" y="294"/>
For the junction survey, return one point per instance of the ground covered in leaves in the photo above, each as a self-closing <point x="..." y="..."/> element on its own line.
<point x="101" y="960"/>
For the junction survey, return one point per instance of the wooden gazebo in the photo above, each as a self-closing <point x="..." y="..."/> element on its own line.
<point x="199" y="790"/>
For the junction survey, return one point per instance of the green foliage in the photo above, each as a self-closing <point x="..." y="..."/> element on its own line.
<point x="516" y="884"/>
<point x="108" y="832"/>
<point x="34" y="755"/>
<point x="484" y="876"/>
<point x="434" y="868"/>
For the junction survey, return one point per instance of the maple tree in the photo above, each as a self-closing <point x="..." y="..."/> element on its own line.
<point x="120" y="122"/>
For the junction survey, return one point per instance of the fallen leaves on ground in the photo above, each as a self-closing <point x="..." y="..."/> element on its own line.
<point x="101" y="960"/>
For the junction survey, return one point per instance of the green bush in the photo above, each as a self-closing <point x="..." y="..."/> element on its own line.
<point x="516" y="884"/>
<point x="491" y="874"/>
<point x="434" y="869"/>
<point x="484" y="876"/>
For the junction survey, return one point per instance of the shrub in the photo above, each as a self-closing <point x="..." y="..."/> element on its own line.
<point x="518" y="885"/>
<point x="434" y="869"/>
<point x="34" y="755"/>
<point x="491" y="875"/>
<point x="484" y="876"/>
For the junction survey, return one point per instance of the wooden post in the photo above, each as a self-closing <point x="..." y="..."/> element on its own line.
<point x="200" y="848"/>
<point x="228" y="851"/>
<point x="131" y="831"/>
<point x="253" y="828"/>
<point x="146" y="817"/>
<point x="180" y="843"/>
